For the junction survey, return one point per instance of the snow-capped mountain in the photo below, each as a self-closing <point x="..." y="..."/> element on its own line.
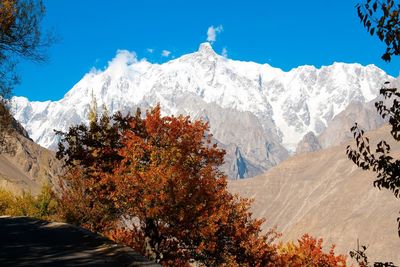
<point x="256" y="112"/>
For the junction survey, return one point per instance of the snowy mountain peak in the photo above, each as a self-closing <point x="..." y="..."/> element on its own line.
<point x="269" y="108"/>
<point x="206" y="48"/>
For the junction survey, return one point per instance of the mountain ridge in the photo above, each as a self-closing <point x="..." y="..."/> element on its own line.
<point x="286" y="105"/>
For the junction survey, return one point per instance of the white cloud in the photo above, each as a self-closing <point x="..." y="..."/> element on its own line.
<point x="123" y="57"/>
<point x="212" y="32"/>
<point x="224" y="52"/>
<point x="150" y="50"/>
<point x="165" y="53"/>
<point x="122" y="61"/>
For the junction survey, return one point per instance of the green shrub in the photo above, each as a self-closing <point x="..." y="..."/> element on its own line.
<point x="42" y="206"/>
<point x="47" y="204"/>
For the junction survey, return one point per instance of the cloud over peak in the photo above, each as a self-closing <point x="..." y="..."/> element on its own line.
<point x="123" y="57"/>
<point x="212" y="33"/>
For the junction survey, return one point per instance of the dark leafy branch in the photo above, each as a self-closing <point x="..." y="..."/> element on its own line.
<point x="20" y="38"/>
<point x="361" y="258"/>
<point x="381" y="18"/>
<point x="381" y="161"/>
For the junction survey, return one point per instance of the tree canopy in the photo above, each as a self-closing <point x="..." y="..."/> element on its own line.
<point x="153" y="182"/>
<point x="164" y="178"/>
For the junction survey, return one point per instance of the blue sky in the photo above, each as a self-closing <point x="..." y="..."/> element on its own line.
<point x="284" y="34"/>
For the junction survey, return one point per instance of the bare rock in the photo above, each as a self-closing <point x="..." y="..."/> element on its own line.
<point x="309" y="143"/>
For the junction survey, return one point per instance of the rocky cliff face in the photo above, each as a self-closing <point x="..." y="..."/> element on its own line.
<point x="365" y="114"/>
<point x="309" y="143"/>
<point x="250" y="149"/>
<point x="338" y="130"/>
<point x="280" y="106"/>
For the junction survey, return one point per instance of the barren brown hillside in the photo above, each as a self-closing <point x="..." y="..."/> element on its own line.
<point x="326" y="195"/>
<point x="28" y="167"/>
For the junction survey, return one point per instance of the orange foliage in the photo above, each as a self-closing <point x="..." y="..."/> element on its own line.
<point x="309" y="252"/>
<point x="169" y="181"/>
<point x="168" y="184"/>
<point x="165" y="196"/>
<point x="79" y="204"/>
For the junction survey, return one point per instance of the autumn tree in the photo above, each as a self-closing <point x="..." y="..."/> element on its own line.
<point x="87" y="152"/>
<point x="153" y="183"/>
<point x="160" y="176"/>
<point x="95" y="146"/>
<point x="20" y="37"/>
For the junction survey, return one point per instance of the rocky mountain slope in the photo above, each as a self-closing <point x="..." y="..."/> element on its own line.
<point x="338" y="129"/>
<point x="27" y="166"/>
<point x="259" y="113"/>
<point x="309" y="143"/>
<point x="325" y="194"/>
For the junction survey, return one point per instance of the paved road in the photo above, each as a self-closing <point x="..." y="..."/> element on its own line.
<point x="31" y="242"/>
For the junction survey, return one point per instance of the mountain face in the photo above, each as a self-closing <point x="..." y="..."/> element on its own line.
<point x="365" y="114"/>
<point x="257" y="112"/>
<point x="326" y="195"/>
<point x="27" y="166"/>
<point x="338" y="129"/>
